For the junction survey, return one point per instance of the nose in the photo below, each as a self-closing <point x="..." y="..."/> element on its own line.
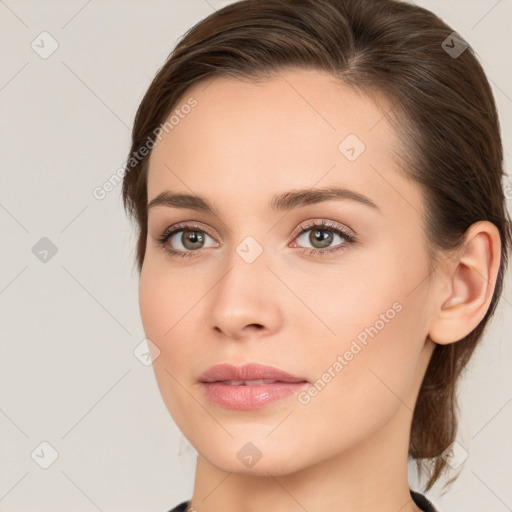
<point x="245" y="302"/>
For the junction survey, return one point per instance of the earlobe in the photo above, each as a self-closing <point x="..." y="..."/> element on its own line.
<point x="468" y="287"/>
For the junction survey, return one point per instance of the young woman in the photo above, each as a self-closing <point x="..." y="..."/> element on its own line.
<point x="322" y="239"/>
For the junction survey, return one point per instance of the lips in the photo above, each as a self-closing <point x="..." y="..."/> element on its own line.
<point x="247" y="374"/>
<point x="251" y="386"/>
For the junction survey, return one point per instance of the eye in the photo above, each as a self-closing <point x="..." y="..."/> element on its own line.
<point x="184" y="240"/>
<point x="322" y="235"/>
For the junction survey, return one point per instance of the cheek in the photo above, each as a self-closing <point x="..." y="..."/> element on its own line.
<point x="164" y="299"/>
<point x="378" y="327"/>
<point x="164" y="302"/>
<point x="155" y="307"/>
<point x="360" y="385"/>
<point x="381" y="363"/>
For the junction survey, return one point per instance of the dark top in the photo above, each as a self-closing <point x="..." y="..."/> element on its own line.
<point x="417" y="497"/>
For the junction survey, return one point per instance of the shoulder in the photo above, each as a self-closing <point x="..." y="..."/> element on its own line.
<point x="423" y="502"/>
<point x="181" y="507"/>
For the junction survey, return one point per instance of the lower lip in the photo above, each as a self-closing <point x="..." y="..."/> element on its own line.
<point x="249" y="397"/>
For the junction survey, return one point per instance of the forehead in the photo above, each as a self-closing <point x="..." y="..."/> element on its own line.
<point x="295" y="130"/>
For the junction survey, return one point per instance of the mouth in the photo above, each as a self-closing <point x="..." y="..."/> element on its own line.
<point x="250" y="386"/>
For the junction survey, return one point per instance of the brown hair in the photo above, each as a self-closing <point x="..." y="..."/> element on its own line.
<point x="443" y="112"/>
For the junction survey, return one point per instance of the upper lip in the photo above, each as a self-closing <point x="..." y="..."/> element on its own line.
<point x="250" y="371"/>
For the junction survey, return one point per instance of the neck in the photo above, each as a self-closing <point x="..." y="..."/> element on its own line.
<point x="370" y="477"/>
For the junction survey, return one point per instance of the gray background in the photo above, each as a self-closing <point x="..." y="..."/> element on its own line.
<point x="70" y="325"/>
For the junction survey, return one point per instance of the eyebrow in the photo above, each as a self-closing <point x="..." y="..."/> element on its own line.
<point x="283" y="202"/>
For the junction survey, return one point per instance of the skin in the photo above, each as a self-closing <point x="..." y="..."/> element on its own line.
<point x="346" y="449"/>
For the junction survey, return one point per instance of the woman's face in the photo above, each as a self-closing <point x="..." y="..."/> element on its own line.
<point x="349" y="317"/>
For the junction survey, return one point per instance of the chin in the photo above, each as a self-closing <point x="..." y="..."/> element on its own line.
<point x="258" y="458"/>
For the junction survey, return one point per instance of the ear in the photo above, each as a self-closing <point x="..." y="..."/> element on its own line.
<point x="467" y="284"/>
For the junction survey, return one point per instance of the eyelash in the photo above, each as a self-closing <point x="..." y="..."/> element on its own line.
<point x="304" y="228"/>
